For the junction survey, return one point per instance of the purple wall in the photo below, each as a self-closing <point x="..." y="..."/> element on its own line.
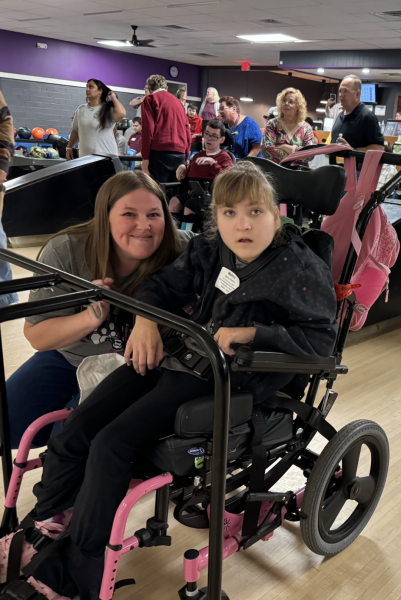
<point x="66" y="60"/>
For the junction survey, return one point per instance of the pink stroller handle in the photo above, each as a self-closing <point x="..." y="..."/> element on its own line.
<point x="21" y="463"/>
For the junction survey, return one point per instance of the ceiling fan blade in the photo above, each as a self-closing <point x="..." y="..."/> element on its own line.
<point x="145" y="42"/>
<point x="110" y="40"/>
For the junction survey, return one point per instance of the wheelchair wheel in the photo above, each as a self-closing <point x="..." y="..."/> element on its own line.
<point x="344" y="487"/>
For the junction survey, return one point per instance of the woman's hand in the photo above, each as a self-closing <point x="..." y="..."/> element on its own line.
<point x="205" y="160"/>
<point x="181" y="172"/>
<point x="287" y="148"/>
<point x="69" y="154"/>
<point x="234" y="335"/>
<point x="111" y="97"/>
<point x="137" y="101"/>
<point x="145" y="345"/>
<point x="92" y="312"/>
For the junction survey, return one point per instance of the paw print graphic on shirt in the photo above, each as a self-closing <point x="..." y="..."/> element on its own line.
<point x="107" y="333"/>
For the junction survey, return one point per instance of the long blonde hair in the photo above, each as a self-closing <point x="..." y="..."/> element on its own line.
<point x="96" y="232"/>
<point x="299" y="99"/>
<point x="215" y="97"/>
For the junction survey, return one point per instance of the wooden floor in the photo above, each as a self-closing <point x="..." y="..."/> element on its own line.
<point x="283" y="568"/>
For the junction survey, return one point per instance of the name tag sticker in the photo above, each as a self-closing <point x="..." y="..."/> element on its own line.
<point x="227" y="281"/>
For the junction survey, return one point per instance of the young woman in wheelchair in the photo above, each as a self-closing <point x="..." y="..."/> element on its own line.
<point x="249" y="281"/>
<point x="204" y="166"/>
<point x="131" y="236"/>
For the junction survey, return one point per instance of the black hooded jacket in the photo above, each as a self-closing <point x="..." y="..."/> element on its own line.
<point x="290" y="300"/>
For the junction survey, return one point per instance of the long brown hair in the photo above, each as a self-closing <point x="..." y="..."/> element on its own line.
<point x="96" y="232"/>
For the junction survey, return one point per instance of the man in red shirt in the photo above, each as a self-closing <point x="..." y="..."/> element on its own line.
<point x="195" y="122"/>
<point x="166" y="137"/>
<point x="204" y="165"/>
<point x="135" y="140"/>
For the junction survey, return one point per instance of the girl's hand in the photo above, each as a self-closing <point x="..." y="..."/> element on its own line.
<point x="106" y="283"/>
<point x="234" y="335"/>
<point x="205" y="160"/>
<point x="145" y="345"/>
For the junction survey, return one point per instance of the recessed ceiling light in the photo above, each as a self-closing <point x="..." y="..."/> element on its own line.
<point x="115" y="43"/>
<point x="320" y="70"/>
<point x="320" y="110"/>
<point x="323" y="101"/>
<point x="268" y="38"/>
<point x="246" y="99"/>
<point x="365" y="70"/>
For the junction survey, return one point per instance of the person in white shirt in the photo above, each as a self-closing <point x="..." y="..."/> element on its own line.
<point x="94" y="121"/>
<point x="333" y="110"/>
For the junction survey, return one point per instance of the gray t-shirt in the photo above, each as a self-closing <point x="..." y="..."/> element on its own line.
<point x="92" y="139"/>
<point x="67" y="253"/>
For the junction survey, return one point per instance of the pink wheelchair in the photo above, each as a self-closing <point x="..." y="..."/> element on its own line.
<point x="226" y="455"/>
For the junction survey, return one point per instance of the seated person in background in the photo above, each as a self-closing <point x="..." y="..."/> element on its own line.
<point x="206" y="164"/>
<point x="246" y="132"/>
<point x="131" y="235"/>
<point x="122" y="144"/>
<point x="195" y="122"/>
<point x="135" y="141"/>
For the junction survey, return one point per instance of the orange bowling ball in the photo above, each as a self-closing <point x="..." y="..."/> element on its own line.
<point x="51" y="131"/>
<point x="38" y="133"/>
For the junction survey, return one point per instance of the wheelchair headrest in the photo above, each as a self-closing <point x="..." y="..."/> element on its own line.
<point x="320" y="189"/>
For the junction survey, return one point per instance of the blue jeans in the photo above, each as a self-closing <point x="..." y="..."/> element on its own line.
<point x="5" y="271"/>
<point x="46" y="382"/>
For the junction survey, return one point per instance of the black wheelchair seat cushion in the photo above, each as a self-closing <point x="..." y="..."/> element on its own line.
<point x="178" y="455"/>
<point x="195" y="418"/>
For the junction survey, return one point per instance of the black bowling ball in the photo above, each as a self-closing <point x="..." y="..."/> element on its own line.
<point x="24" y="133"/>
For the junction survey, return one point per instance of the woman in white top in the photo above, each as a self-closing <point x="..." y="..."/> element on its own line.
<point x="94" y="122"/>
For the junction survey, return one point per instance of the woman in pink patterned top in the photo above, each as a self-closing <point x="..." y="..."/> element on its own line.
<point x="288" y="132"/>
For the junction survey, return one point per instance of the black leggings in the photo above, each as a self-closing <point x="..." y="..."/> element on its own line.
<point x="89" y="464"/>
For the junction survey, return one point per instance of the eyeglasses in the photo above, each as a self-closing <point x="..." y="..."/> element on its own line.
<point x="212" y="137"/>
<point x="290" y="102"/>
<point x="223" y="108"/>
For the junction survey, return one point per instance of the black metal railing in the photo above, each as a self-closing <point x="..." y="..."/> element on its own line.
<point x="85" y="292"/>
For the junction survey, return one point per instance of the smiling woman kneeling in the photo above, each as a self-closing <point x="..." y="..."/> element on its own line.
<point x="131" y="236"/>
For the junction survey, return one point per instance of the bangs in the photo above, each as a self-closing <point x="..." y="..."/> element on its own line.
<point x="237" y="188"/>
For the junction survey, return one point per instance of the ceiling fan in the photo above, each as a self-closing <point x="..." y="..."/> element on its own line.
<point x="133" y="42"/>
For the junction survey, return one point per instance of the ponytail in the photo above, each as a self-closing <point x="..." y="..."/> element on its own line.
<point x="107" y="106"/>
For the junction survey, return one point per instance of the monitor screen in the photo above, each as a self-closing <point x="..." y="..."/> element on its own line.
<point x="368" y="93"/>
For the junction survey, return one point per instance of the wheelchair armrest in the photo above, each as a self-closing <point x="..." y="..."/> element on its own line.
<point x="254" y="359"/>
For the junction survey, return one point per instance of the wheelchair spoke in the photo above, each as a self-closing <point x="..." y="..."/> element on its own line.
<point x="366" y="487"/>
<point x="350" y="464"/>
<point x="332" y="507"/>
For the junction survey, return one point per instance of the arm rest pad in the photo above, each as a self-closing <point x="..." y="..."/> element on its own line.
<point x="254" y="359"/>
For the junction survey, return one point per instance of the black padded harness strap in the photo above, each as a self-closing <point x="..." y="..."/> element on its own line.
<point x="227" y="260"/>
<point x="14" y="557"/>
<point x="257" y="475"/>
<point x="309" y="414"/>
